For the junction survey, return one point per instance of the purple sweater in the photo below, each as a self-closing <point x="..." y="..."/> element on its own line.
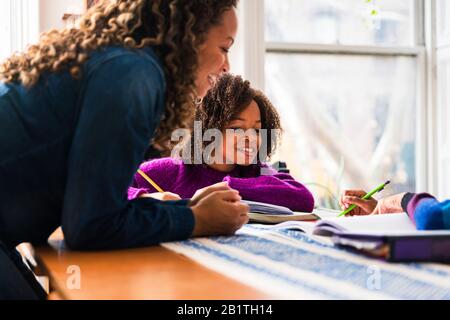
<point x="173" y="175"/>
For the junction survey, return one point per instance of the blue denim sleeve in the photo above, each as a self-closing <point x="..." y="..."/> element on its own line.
<point x="121" y="108"/>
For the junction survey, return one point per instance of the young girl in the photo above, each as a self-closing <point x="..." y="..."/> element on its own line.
<point x="231" y="105"/>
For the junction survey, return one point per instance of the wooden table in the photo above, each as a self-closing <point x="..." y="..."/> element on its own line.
<point x="135" y="274"/>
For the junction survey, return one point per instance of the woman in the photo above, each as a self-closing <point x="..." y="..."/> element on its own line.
<point x="252" y="122"/>
<point x="425" y="211"/>
<point x="78" y="111"/>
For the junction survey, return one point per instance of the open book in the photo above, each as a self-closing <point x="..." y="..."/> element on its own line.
<point x="273" y="214"/>
<point x="386" y="224"/>
<point x="390" y="236"/>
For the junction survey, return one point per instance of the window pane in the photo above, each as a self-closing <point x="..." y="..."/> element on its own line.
<point x="5" y="29"/>
<point x="350" y="22"/>
<point x="349" y="121"/>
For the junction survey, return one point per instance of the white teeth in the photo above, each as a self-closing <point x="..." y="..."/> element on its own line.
<point x="246" y="150"/>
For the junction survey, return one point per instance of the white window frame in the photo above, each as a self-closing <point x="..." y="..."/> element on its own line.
<point x="431" y="95"/>
<point x="252" y="48"/>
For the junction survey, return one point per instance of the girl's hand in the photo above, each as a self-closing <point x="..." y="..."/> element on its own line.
<point x="219" y="213"/>
<point x="162" y="196"/>
<point x="363" y="207"/>
<point x="203" y="193"/>
<point x="391" y="204"/>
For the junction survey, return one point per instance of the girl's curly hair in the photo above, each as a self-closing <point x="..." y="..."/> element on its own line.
<point x="173" y="28"/>
<point x="227" y="99"/>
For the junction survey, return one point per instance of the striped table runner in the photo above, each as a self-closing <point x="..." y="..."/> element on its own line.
<point x="289" y="264"/>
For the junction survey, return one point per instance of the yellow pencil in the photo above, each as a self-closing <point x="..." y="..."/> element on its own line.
<point x="146" y="177"/>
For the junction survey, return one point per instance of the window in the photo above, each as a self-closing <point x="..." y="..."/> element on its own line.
<point x="19" y="25"/>
<point x="344" y="76"/>
<point x="5" y="29"/>
<point x="442" y="51"/>
<point x="349" y="22"/>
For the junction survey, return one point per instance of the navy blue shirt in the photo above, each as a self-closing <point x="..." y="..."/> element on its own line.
<point x="69" y="149"/>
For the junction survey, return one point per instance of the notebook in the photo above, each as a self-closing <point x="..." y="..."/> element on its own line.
<point x="390" y="236"/>
<point x="272" y="214"/>
<point x="266" y="208"/>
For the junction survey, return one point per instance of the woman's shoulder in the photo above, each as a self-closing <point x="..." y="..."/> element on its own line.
<point x="125" y="60"/>
<point x="118" y="52"/>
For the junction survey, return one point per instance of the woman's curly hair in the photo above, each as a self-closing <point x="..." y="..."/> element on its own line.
<point x="230" y="96"/>
<point x="173" y="28"/>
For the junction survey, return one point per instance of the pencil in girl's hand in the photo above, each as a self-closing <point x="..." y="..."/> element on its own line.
<point x="367" y="196"/>
<point x="147" y="178"/>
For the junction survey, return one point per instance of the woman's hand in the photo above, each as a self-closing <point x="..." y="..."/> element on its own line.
<point x="203" y="193"/>
<point x="219" y="213"/>
<point x="162" y="196"/>
<point x="363" y="207"/>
